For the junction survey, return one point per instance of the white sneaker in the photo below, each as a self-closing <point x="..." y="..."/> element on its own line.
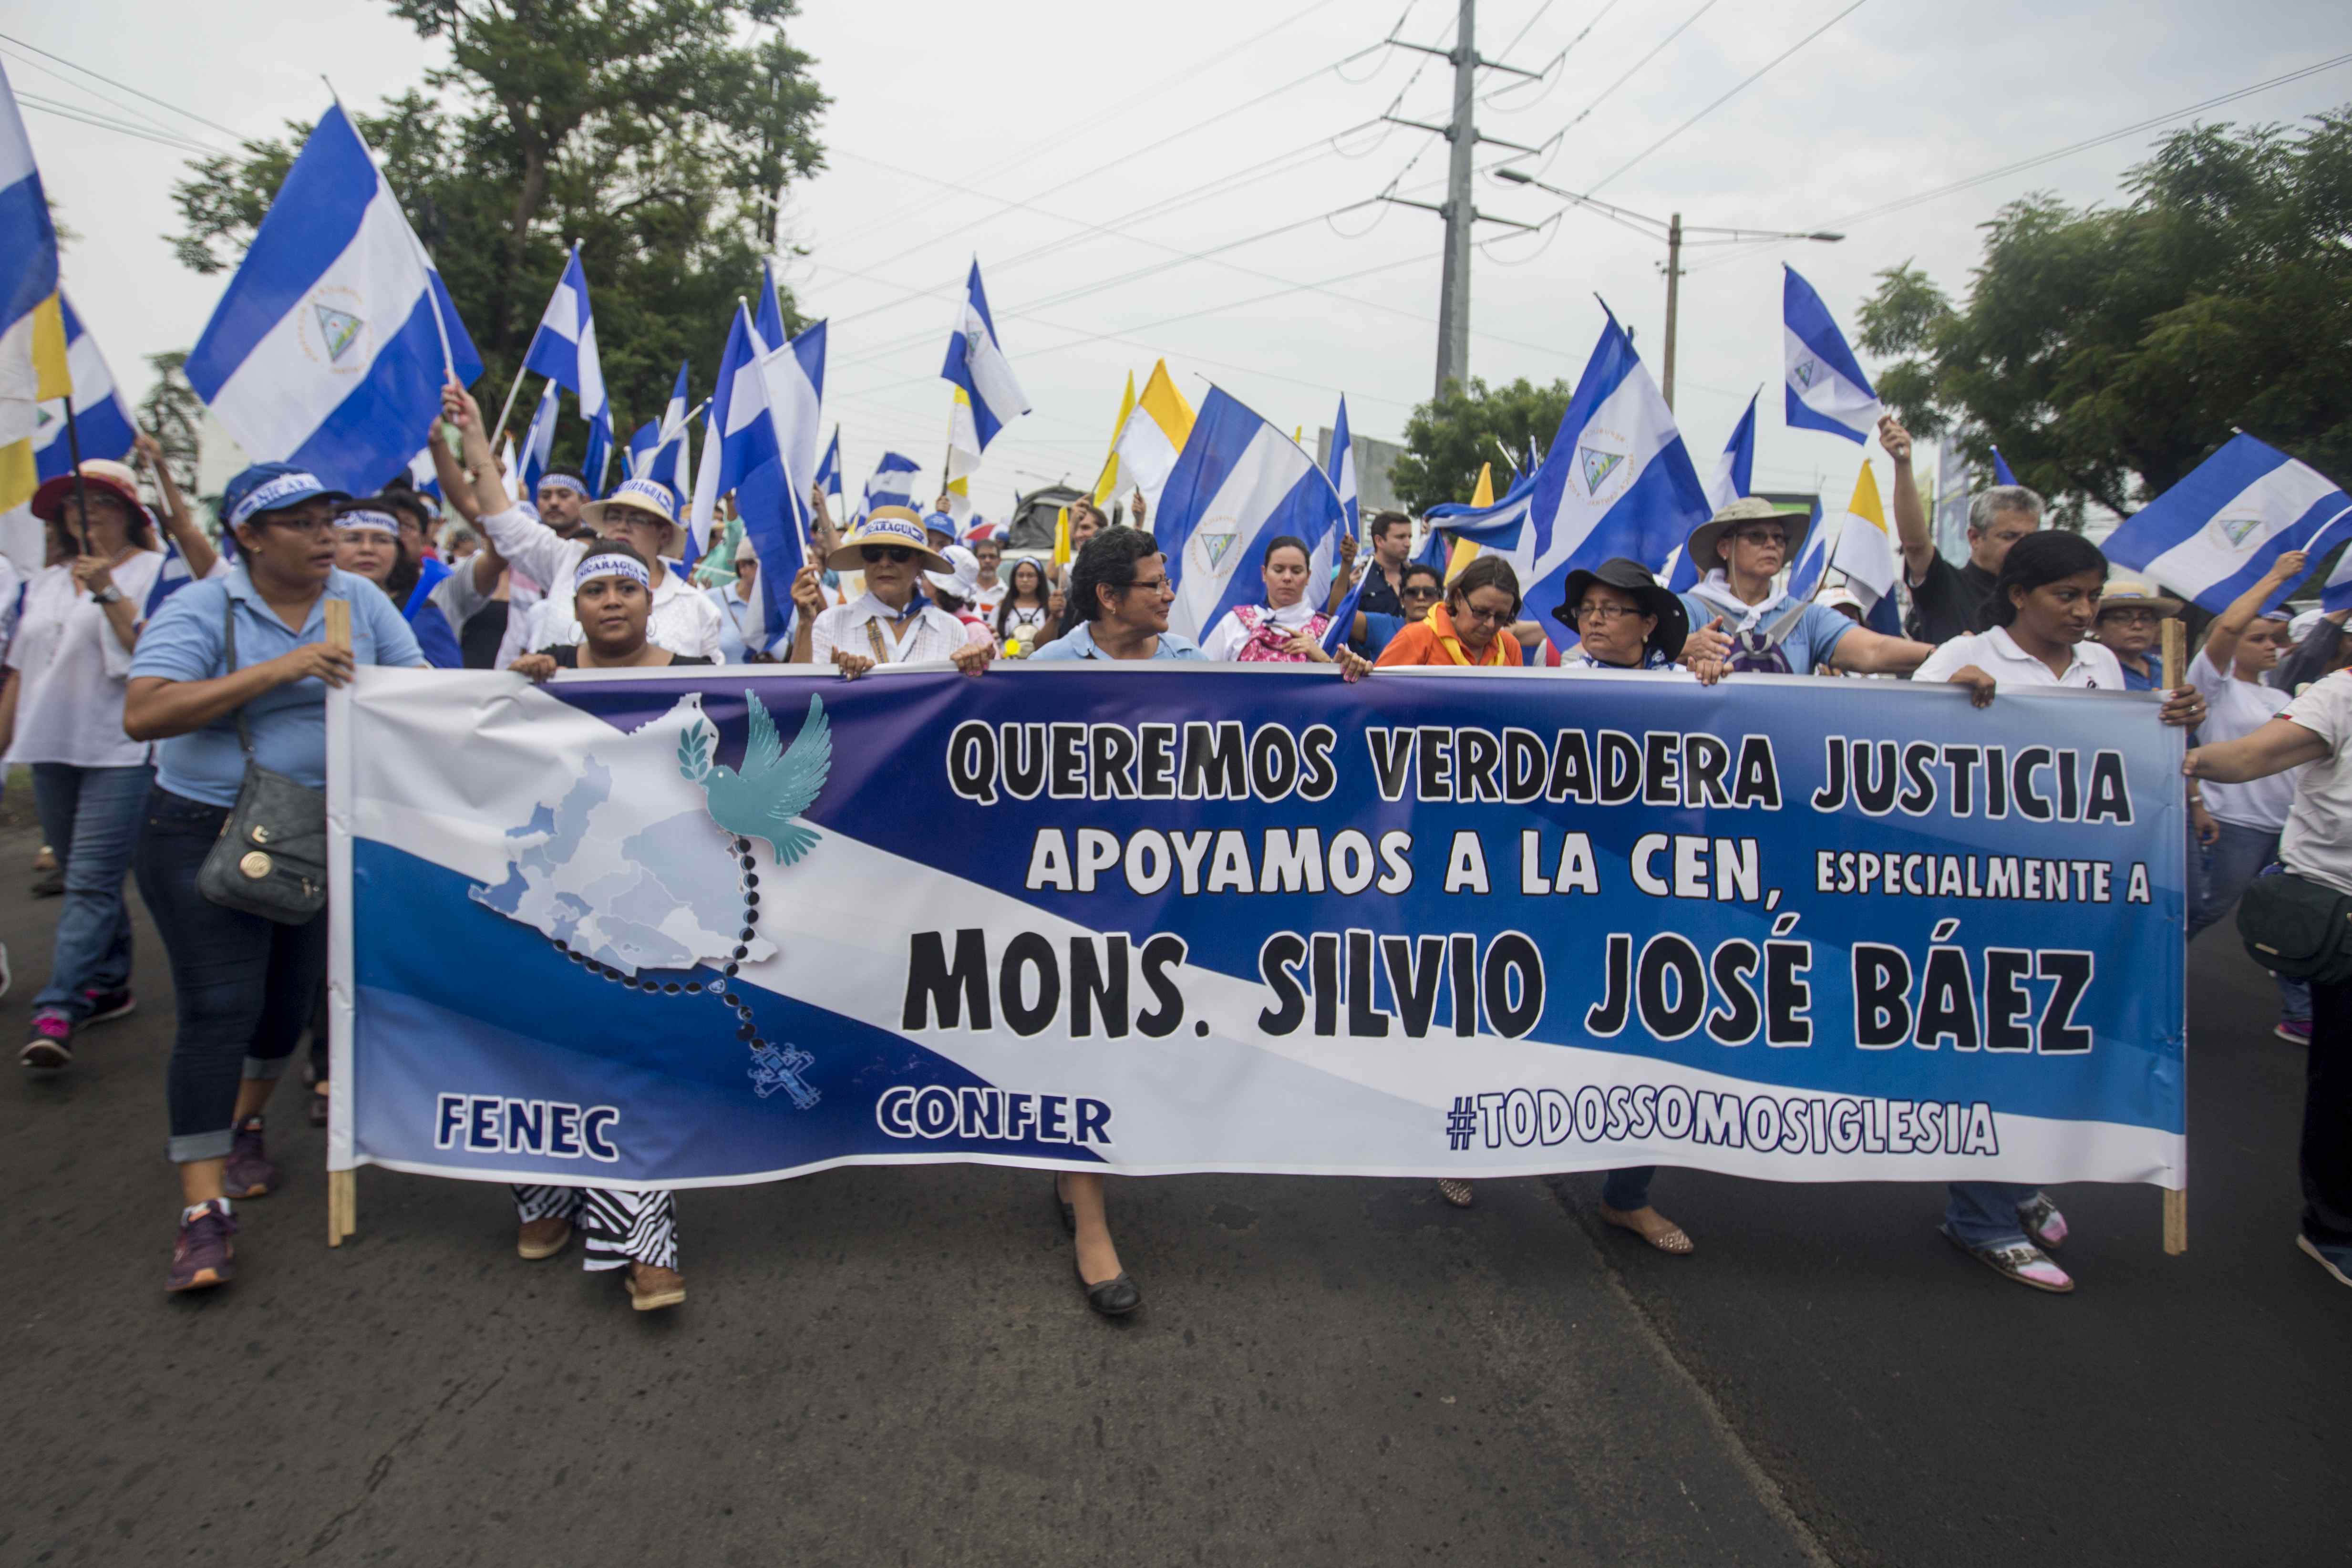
<point x="7" y="977"/>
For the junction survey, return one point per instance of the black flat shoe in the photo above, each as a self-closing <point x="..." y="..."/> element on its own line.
<point x="1113" y="1298"/>
<point x="1069" y="1215"/>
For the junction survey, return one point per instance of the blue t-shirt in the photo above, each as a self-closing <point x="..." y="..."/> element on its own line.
<point x="1079" y="642"/>
<point x="1810" y="641"/>
<point x="1380" y="630"/>
<point x="184" y="642"/>
<point x="2135" y="681"/>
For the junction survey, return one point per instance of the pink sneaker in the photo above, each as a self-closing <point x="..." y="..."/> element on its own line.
<point x="2019" y="1261"/>
<point x="2294" y="1031"/>
<point x="2042" y="1222"/>
<point x="50" y="1044"/>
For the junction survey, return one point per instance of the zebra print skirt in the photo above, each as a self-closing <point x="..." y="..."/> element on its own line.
<point x="616" y="1227"/>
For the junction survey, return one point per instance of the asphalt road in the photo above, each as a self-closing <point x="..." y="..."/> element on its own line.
<point x="893" y="1366"/>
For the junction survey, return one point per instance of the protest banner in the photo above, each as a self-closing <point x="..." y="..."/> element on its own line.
<point x="728" y="925"/>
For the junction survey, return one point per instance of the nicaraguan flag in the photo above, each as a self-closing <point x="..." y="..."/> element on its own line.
<point x="422" y="476"/>
<point x="668" y="459"/>
<point x="539" y="441"/>
<point x="2337" y="593"/>
<point x="1734" y="471"/>
<point x="976" y="363"/>
<point x="795" y="378"/>
<point x="564" y="350"/>
<point x="1343" y="475"/>
<point x="2000" y="474"/>
<point x="101" y="417"/>
<point x="773" y="510"/>
<point x="642" y="442"/>
<point x="170" y="578"/>
<point x="828" y="471"/>
<point x="1820" y="542"/>
<point x="327" y="349"/>
<point x="1616" y="481"/>
<point x="893" y="483"/>
<point x="34" y="365"/>
<point x="437" y="639"/>
<point x="1239" y="483"/>
<point x="768" y="321"/>
<point x="1827" y="390"/>
<point x="2215" y="534"/>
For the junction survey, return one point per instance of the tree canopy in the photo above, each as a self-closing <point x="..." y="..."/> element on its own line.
<point x="1449" y="437"/>
<point x="2108" y="351"/>
<point x="659" y="132"/>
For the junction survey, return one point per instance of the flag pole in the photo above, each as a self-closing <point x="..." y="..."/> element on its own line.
<point x="82" y="487"/>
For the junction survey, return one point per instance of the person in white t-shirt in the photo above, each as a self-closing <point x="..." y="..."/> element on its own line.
<point x="989" y="592"/>
<point x="2311" y="734"/>
<point x="2243" y="646"/>
<point x="70" y="661"/>
<point x="2043" y="606"/>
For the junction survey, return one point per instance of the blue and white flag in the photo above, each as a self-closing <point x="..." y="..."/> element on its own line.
<point x="1734" y="471"/>
<point x="1616" y="481"/>
<point x="101" y="417"/>
<point x="976" y="363"/>
<point x="795" y="378"/>
<point x="437" y="639"/>
<point x="169" y="577"/>
<point x="422" y="476"/>
<point x="539" y="441"/>
<point x="768" y="321"/>
<point x="893" y="483"/>
<point x="564" y="350"/>
<point x="330" y="347"/>
<point x="773" y="510"/>
<point x="1827" y="390"/>
<point x="666" y="458"/>
<point x="828" y="471"/>
<point x="2336" y="593"/>
<point x="2000" y="474"/>
<point x="2215" y="534"/>
<point x="1819" y="543"/>
<point x="642" y="442"/>
<point x="1343" y="474"/>
<point x="1239" y="483"/>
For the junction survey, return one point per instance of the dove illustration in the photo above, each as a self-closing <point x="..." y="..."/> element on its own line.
<point x="776" y="784"/>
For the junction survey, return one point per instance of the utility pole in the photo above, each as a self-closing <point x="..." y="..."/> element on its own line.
<point x="1458" y="210"/>
<point x="1674" y="297"/>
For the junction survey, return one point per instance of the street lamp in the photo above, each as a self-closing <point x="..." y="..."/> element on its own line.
<point x="1672" y="231"/>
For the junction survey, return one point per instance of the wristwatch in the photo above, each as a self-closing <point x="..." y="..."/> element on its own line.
<point x="107" y="595"/>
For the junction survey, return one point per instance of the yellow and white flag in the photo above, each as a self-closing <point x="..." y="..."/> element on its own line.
<point x="1107" y="485"/>
<point x="1466" y="550"/>
<point x="963" y="458"/>
<point x="1865" y="551"/>
<point x="32" y="367"/>
<point x="1154" y="432"/>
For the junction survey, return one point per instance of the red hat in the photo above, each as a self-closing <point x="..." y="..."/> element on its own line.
<point x="115" y="478"/>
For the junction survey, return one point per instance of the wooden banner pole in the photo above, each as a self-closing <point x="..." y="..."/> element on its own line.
<point x="2173" y="640"/>
<point x="342" y="1186"/>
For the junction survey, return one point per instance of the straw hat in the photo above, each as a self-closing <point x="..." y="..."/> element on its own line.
<point x="1706" y="538"/>
<point x="634" y="500"/>
<point x="2132" y="592"/>
<point x="890" y="526"/>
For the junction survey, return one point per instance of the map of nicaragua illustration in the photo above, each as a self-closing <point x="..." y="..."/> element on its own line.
<point x="636" y="865"/>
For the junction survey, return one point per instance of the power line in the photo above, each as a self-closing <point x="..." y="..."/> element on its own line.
<point x="123" y="127"/>
<point x="108" y="106"/>
<point x="126" y="87"/>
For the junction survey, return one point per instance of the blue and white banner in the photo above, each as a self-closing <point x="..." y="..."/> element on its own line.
<point x="713" y="926"/>
<point x="331" y="344"/>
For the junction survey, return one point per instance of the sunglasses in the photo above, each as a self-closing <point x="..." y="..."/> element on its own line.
<point x="1490" y="617"/>
<point x="897" y="553"/>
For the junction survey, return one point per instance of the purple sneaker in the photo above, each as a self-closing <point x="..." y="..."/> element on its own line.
<point x="250" y="1172"/>
<point x="2019" y="1261"/>
<point x="50" y="1044"/>
<point x="2042" y="1222"/>
<point x="106" y="1004"/>
<point x="201" y="1261"/>
<point x="2294" y="1031"/>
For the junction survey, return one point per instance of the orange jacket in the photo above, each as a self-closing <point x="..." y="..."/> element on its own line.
<point x="1418" y="643"/>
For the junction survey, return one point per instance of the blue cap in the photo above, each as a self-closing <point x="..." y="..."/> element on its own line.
<point x="939" y="523"/>
<point x="268" y="487"/>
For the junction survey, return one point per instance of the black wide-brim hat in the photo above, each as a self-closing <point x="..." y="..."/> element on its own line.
<point x="1672" y="630"/>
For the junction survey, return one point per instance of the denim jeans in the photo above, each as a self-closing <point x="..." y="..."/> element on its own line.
<point x="1628" y="1189"/>
<point x="245" y="985"/>
<point x="2236" y="858"/>
<point x="1984" y="1214"/>
<point x="91" y="818"/>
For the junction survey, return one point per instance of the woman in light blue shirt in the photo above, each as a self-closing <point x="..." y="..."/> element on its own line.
<point x="244" y="986"/>
<point x="734" y="602"/>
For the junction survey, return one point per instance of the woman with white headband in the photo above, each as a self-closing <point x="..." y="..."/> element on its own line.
<point x="434" y="599"/>
<point x="638" y="1228"/>
<point x="641" y="513"/>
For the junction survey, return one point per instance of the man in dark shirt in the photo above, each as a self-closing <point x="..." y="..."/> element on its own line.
<point x="1949" y="601"/>
<point x="1392" y="542"/>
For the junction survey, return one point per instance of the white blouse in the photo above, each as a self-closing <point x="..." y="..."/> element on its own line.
<point x="75" y="671"/>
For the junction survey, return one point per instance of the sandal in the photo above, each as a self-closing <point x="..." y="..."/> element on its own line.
<point x="1672" y="1241"/>
<point x="1454" y="1192"/>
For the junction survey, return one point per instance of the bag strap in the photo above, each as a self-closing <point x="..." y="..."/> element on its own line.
<point x="228" y="635"/>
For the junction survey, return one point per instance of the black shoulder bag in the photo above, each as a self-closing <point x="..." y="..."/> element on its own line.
<point x="2296" y="927"/>
<point x="271" y="857"/>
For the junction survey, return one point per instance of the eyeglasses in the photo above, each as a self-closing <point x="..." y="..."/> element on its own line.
<point x="898" y="553"/>
<point x="2131" y="618"/>
<point x="1606" y="615"/>
<point x="1418" y="591"/>
<point x="313" y="526"/>
<point x="1469" y="611"/>
<point x="1141" y="587"/>
<point x="1761" y="537"/>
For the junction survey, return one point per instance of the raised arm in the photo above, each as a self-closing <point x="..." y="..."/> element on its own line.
<point x="2221" y="641"/>
<point x="1910" y="512"/>
<point x="1343" y="579"/>
<point x="457" y="485"/>
<point x="179" y="520"/>
<point x="543" y="554"/>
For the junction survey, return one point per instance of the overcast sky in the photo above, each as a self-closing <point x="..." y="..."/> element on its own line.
<point x="1031" y="133"/>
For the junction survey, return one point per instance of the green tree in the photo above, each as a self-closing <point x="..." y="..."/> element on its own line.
<point x="173" y="414"/>
<point x="1449" y="437"/>
<point x="2108" y="351"/>
<point x="655" y="131"/>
